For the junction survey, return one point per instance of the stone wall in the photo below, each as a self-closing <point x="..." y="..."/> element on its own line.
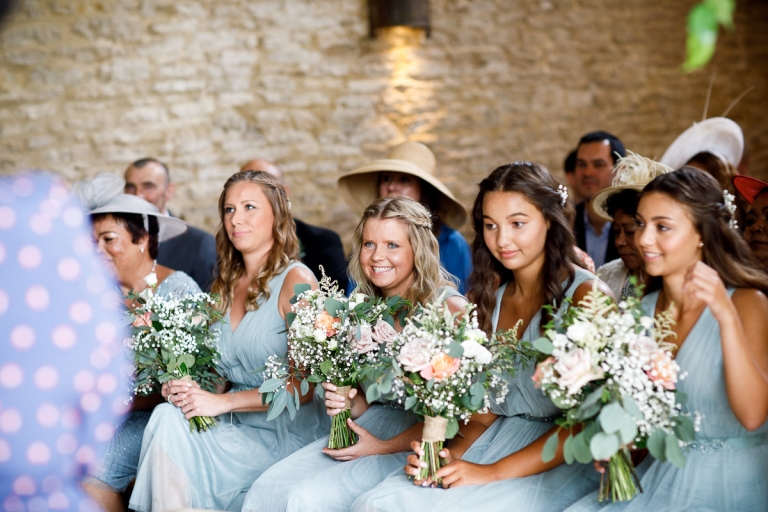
<point x="88" y="86"/>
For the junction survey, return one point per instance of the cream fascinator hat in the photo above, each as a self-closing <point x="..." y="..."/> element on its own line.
<point x="717" y="135"/>
<point x="104" y="194"/>
<point x="630" y="172"/>
<point x="360" y="187"/>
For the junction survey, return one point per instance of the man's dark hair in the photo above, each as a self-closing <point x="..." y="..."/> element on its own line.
<point x="570" y="162"/>
<point x="617" y="148"/>
<point x="142" y="162"/>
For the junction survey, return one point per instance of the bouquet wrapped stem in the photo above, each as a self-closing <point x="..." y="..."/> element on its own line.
<point x="341" y="435"/>
<point x="618" y="483"/>
<point x="432" y="440"/>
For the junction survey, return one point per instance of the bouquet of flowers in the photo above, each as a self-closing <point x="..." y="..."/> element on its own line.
<point x="173" y="339"/>
<point x="330" y="339"/>
<point x="609" y="369"/>
<point x="445" y="368"/>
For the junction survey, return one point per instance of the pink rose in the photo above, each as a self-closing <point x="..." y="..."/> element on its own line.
<point x="575" y="370"/>
<point x="441" y="367"/>
<point x="663" y="370"/>
<point x="365" y="343"/>
<point x="644" y="346"/>
<point x="540" y="369"/>
<point x="414" y="355"/>
<point x="383" y="332"/>
<point x="144" y="320"/>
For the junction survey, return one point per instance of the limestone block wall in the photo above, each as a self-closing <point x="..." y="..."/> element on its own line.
<point x="88" y="86"/>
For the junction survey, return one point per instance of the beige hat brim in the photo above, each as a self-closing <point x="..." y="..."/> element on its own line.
<point x="359" y="188"/>
<point x="717" y="135"/>
<point x="168" y="227"/>
<point x="599" y="201"/>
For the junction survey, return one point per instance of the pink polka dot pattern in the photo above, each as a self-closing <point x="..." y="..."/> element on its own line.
<point x="96" y="284"/>
<point x="37" y="504"/>
<point x="11" y="375"/>
<point x="38" y="453"/>
<point x="100" y="358"/>
<point x="72" y="217"/>
<point x="80" y="312"/>
<point x="69" y="269"/>
<point x="7" y="217"/>
<point x="84" y="381"/>
<point x="51" y="484"/>
<point x="64" y="337"/>
<point x="4" y="302"/>
<point x="10" y="421"/>
<point x="30" y="257"/>
<point x="58" y="501"/>
<point x="106" y="333"/>
<point x="66" y="444"/>
<point x="48" y="415"/>
<point x="22" y="337"/>
<point x="104" y="432"/>
<point x="85" y="455"/>
<point x="3" y="253"/>
<point x="37" y="298"/>
<point x="24" y="486"/>
<point x="120" y="407"/>
<point x="46" y="377"/>
<point x="40" y="224"/>
<point x="5" y="451"/>
<point x="106" y="384"/>
<point x="71" y="419"/>
<point x="90" y="402"/>
<point x="13" y="504"/>
<point x="23" y="186"/>
<point x="83" y="245"/>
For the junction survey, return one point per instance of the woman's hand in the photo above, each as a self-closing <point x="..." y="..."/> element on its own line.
<point x="334" y="402"/>
<point x="195" y="401"/>
<point x="702" y="282"/>
<point x="414" y="464"/>
<point x="176" y="386"/>
<point x="367" y="444"/>
<point x="459" y="472"/>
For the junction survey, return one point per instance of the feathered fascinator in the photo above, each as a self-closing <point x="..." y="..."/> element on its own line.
<point x="104" y="194"/>
<point x="630" y="172"/>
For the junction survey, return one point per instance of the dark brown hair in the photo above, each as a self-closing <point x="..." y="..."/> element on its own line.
<point x="724" y="248"/>
<point x="540" y="188"/>
<point x="134" y="224"/>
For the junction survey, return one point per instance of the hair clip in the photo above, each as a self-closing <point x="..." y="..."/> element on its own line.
<point x="730" y="205"/>
<point x="563" y="191"/>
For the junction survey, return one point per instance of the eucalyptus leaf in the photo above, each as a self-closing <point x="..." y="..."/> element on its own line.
<point x="290" y="317"/>
<point x="333" y="306"/>
<point x="581" y="448"/>
<point x="410" y="402"/>
<point x="631" y="407"/>
<point x="657" y="445"/>
<point x="673" y="452"/>
<point x="455" y="349"/>
<point x="372" y="393"/>
<point x="300" y="288"/>
<point x="604" y="446"/>
<point x="278" y="404"/>
<point x="270" y="385"/>
<point x="452" y="429"/>
<point x="304" y="387"/>
<point x="290" y="405"/>
<point x="543" y="345"/>
<point x="568" y="450"/>
<point x="684" y="429"/>
<point x="326" y="367"/>
<point x="550" y="448"/>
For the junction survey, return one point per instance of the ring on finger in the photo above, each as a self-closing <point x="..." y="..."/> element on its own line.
<point x="185" y="401"/>
<point x="169" y="399"/>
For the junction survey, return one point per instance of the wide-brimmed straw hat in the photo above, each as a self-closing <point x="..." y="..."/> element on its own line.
<point x="360" y="187"/>
<point x="749" y="187"/>
<point x="104" y="194"/>
<point x="717" y="135"/>
<point x="630" y="172"/>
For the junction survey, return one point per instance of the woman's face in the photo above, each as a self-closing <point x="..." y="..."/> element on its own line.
<point x="756" y="232"/>
<point x="248" y="218"/>
<point x="395" y="184"/>
<point x="666" y="236"/>
<point x="114" y="244"/>
<point x="386" y="256"/>
<point x="514" y="230"/>
<point x="624" y="226"/>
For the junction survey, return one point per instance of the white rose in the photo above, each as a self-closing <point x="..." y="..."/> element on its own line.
<point x="477" y="335"/>
<point x="646" y="322"/>
<point x="319" y="335"/>
<point x="333" y="344"/>
<point x="577" y="332"/>
<point x="575" y="370"/>
<point x="414" y="355"/>
<point x="151" y="279"/>
<point x="146" y="294"/>
<point x="476" y="351"/>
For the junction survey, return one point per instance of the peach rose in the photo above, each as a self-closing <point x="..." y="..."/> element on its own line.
<point x="144" y="320"/>
<point x="575" y="370"/>
<point x="663" y="370"/>
<point x="326" y="322"/>
<point x="383" y="332"/>
<point x="540" y="369"/>
<point x="441" y="367"/>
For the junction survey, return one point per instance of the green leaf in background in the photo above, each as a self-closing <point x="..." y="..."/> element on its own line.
<point x="304" y="387"/>
<point x="581" y="448"/>
<point x="543" y="345"/>
<point x="289" y="404"/>
<point x="326" y="366"/>
<point x="613" y="418"/>
<point x="704" y="20"/>
<point x="452" y="429"/>
<point x="270" y="385"/>
<point x="187" y="359"/>
<point x="455" y="349"/>
<point x="290" y="317"/>
<point x="568" y="449"/>
<point x="410" y="402"/>
<point x="550" y="448"/>
<point x="278" y="404"/>
<point x="657" y="445"/>
<point x="372" y="393"/>
<point x="604" y="446"/>
<point x="684" y="429"/>
<point x="723" y="11"/>
<point x="631" y="406"/>
<point x="333" y="306"/>
<point x="673" y="452"/>
<point x="301" y="288"/>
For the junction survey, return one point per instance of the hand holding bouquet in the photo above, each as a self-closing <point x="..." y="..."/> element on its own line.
<point x="609" y="369"/>
<point x="330" y="338"/>
<point x="173" y="339"/>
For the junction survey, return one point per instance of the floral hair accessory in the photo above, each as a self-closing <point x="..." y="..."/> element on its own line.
<point x="563" y="191"/>
<point x="730" y="206"/>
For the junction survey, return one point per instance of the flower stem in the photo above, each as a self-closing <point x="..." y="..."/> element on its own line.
<point x="341" y="435"/>
<point x="434" y="462"/>
<point x="202" y="423"/>
<point x="620" y="483"/>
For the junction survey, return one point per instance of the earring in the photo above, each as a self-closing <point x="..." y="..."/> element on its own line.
<point x="141" y="250"/>
<point x="701" y="244"/>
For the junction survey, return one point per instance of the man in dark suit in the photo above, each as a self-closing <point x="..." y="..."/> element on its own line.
<point x="596" y="155"/>
<point x="193" y="252"/>
<point x="318" y="246"/>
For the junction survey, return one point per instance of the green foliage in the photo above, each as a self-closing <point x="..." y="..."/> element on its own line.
<point x="704" y="20"/>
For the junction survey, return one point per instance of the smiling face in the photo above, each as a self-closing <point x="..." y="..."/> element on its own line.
<point x="593" y="168"/>
<point x="756" y="232"/>
<point x="624" y="227"/>
<point x="393" y="184"/>
<point x="666" y="236"/>
<point x="386" y="256"/>
<point x="248" y="218"/>
<point x="114" y="244"/>
<point x="514" y="230"/>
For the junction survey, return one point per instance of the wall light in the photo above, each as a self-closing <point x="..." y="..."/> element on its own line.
<point x="398" y="13"/>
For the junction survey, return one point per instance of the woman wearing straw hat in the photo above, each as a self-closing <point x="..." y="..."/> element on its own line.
<point x="127" y="231"/>
<point x="409" y="171"/>
<point x="755" y="192"/>
<point x="618" y="204"/>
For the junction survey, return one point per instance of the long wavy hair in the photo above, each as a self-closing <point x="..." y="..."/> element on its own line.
<point x="540" y="188"/>
<point x="285" y="247"/>
<point x="430" y="275"/>
<point x="724" y="248"/>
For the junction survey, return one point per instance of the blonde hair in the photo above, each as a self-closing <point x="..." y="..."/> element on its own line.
<point x="430" y="275"/>
<point x="285" y="247"/>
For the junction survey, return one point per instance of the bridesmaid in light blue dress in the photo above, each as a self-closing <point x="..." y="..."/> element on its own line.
<point x="257" y="272"/>
<point x="702" y="265"/>
<point x="522" y="239"/>
<point x="397" y="233"/>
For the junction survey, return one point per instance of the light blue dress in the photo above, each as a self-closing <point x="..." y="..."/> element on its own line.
<point x="526" y="415"/>
<point x="118" y="462"/>
<point x="310" y="480"/>
<point x="727" y="467"/>
<point x="214" y="469"/>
